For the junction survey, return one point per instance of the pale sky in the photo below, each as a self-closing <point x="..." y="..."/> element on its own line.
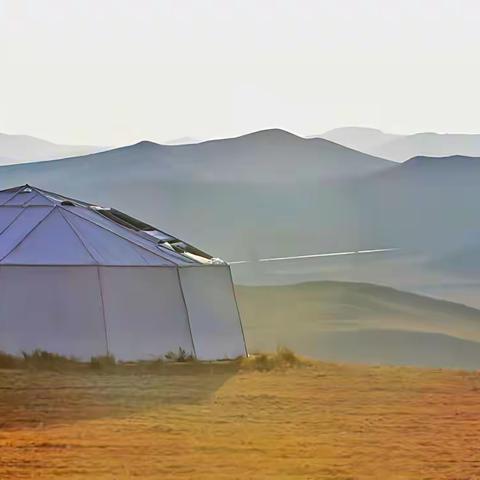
<point x="112" y="72"/>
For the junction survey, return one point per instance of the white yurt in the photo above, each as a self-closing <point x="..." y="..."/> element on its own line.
<point x="83" y="280"/>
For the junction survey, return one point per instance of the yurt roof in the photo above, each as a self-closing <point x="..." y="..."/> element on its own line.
<point x="38" y="227"/>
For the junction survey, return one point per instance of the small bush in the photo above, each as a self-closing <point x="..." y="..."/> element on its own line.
<point x="262" y="362"/>
<point x="286" y="356"/>
<point x="102" y="362"/>
<point x="8" y="361"/>
<point x="180" y="356"/>
<point x="281" y="359"/>
<point x="41" y="359"/>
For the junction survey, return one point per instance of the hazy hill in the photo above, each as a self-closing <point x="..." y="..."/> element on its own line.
<point x="23" y="148"/>
<point x="361" y="323"/>
<point x="427" y="202"/>
<point x="274" y="194"/>
<point x="181" y="141"/>
<point x="266" y="156"/>
<point x="256" y="194"/>
<point x="362" y="139"/>
<point x="461" y="260"/>
<point x="402" y="147"/>
<point x="429" y="144"/>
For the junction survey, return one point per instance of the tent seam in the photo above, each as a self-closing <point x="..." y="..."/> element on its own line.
<point x="103" y="310"/>
<point x="23" y="239"/>
<point x="186" y="310"/>
<point x="45" y="193"/>
<point x="13" y="220"/>
<point x="96" y="260"/>
<point x="26" y="202"/>
<point x="238" y="310"/>
<point x="88" y="205"/>
<point x="15" y="194"/>
<point x="38" y="194"/>
<point x="80" y="238"/>
<point x="120" y="236"/>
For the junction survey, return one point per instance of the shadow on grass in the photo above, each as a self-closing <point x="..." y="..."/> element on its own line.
<point x="58" y="392"/>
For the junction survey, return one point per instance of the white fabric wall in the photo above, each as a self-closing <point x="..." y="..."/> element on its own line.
<point x="145" y="312"/>
<point x="57" y="309"/>
<point x="212" y="310"/>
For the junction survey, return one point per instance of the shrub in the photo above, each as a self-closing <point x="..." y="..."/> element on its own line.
<point x="286" y="356"/>
<point x="281" y="359"/>
<point x="180" y="356"/>
<point x="102" y="362"/>
<point x="44" y="360"/>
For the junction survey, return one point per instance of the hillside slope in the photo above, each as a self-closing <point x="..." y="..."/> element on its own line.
<point x="362" y="139"/>
<point x="267" y="156"/>
<point x="429" y="145"/>
<point x="427" y="203"/>
<point x="271" y="193"/>
<point x="402" y="147"/>
<point x="362" y="323"/>
<point x="258" y="193"/>
<point x="23" y="148"/>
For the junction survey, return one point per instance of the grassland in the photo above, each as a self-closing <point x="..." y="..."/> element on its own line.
<point x="361" y="323"/>
<point x="221" y="421"/>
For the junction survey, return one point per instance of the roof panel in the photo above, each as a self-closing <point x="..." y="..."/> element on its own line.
<point x="51" y="242"/>
<point x="39" y="199"/>
<point x="21" y="198"/>
<point x="36" y="229"/>
<point x="6" y="195"/>
<point x="109" y="248"/>
<point x="7" y="216"/>
<point x="24" y="223"/>
<point x="128" y="234"/>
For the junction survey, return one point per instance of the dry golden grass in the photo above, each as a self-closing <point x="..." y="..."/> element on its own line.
<point x="197" y="421"/>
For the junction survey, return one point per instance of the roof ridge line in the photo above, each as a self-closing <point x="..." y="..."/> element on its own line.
<point x="20" y="189"/>
<point x="41" y="193"/>
<point x="36" y="195"/>
<point x="62" y="197"/>
<point x="77" y="234"/>
<point x="25" y="236"/>
<point x="117" y="234"/>
<point x="22" y="210"/>
<point x="80" y="237"/>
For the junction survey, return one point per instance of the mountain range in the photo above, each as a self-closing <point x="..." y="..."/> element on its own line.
<point x="274" y="194"/>
<point x="238" y="197"/>
<point x="402" y="147"/>
<point x="24" y="148"/>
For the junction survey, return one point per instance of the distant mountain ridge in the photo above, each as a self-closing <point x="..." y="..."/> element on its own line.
<point x="402" y="147"/>
<point x="438" y="163"/>
<point x="237" y="197"/>
<point x="264" y="156"/>
<point x="24" y="148"/>
<point x="274" y="194"/>
<point x="362" y="139"/>
<point x="181" y="141"/>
